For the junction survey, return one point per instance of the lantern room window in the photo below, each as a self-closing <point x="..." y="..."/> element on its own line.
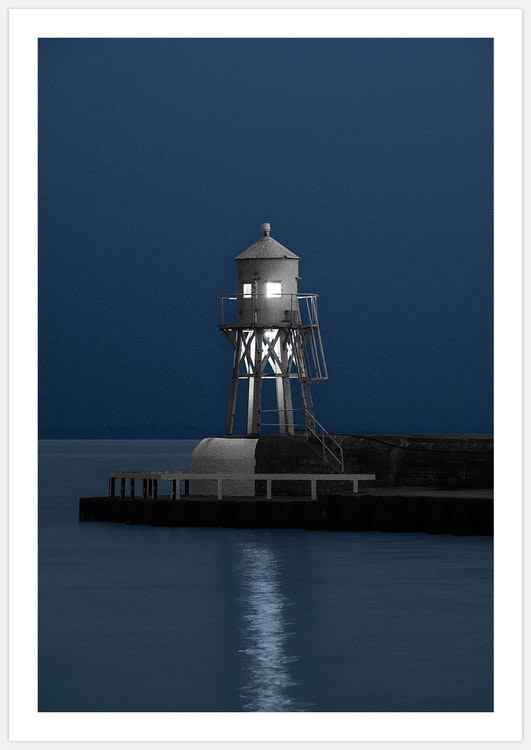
<point x="247" y="291"/>
<point x="273" y="288"/>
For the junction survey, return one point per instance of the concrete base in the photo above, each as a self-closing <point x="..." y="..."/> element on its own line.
<point x="225" y="456"/>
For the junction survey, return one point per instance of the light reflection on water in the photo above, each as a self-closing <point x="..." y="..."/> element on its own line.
<point x="266" y="632"/>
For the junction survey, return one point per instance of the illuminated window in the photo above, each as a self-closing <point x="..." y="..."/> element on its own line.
<point x="247" y="291"/>
<point x="273" y="288"/>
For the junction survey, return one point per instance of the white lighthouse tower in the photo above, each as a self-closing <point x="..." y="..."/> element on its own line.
<point x="275" y="334"/>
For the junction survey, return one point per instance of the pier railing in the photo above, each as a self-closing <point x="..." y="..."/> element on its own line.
<point x="150" y="482"/>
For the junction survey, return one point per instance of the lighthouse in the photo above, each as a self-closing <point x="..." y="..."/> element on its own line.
<point x="274" y="332"/>
<point x="277" y="355"/>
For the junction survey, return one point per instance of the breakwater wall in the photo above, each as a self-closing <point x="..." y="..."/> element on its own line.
<point x="433" y="512"/>
<point x="437" y="461"/>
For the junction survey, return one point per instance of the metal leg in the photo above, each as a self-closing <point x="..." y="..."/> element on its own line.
<point x="131" y="487"/>
<point x="256" y="381"/>
<point x="285" y="402"/>
<point x="112" y="484"/>
<point x="289" y="404"/>
<point x="250" y="404"/>
<point x="122" y="487"/>
<point x="234" y="384"/>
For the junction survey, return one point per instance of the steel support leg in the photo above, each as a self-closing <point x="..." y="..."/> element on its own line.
<point x="234" y="384"/>
<point x="255" y="386"/>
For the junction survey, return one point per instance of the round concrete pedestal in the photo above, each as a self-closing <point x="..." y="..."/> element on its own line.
<point x="225" y="456"/>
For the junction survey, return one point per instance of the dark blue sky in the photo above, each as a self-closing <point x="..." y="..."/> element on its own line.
<point x="159" y="160"/>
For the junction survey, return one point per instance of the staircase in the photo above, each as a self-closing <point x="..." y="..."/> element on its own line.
<point x="331" y="450"/>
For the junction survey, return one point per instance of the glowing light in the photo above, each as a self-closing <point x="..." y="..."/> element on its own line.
<point x="273" y="288"/>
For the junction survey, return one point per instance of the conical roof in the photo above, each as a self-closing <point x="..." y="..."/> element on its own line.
<point x="266" y="247"/>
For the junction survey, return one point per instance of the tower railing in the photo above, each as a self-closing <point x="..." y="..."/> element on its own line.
<point x="295" y="314"/>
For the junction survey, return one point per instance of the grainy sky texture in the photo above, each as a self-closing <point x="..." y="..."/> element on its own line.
<point x="159" y="160"/>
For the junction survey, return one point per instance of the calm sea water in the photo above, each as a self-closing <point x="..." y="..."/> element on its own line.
<point x="137" y="618"/>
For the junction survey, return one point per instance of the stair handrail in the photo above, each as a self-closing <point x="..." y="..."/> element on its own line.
<point x="313" y="425"/>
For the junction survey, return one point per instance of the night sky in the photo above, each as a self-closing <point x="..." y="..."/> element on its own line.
<point x="159" y="160"/>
